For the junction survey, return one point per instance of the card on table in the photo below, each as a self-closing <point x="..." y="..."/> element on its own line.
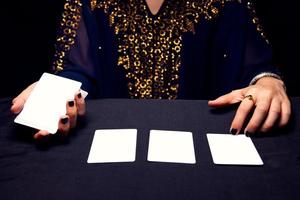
<point x="233" y="150"/>
<point x="113" y="145"/>
<point x="171" y="146"/>
<point x="47" y="102"/>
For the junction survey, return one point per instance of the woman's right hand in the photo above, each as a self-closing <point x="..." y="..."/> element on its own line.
<point x="74" y="107"/>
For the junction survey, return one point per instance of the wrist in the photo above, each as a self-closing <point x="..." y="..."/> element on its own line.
<point x="271" y="81"/>
<point x="269" y="77"/>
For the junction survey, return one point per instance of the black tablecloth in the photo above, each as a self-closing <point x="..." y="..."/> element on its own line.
<point x="29" y="170"/>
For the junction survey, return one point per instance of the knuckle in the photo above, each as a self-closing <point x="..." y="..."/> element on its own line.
<point x="267" y="92"/>
<point x="242" y="110"/>
<point x="262" y="109"/>
<point x="287" y="108"/>
<point x="253" y="90"/>
<point x="287" y="113"/>
<point x="275" y="112"/>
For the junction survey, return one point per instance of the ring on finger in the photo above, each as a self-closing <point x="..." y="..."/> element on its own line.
<point x="249" y="97"/>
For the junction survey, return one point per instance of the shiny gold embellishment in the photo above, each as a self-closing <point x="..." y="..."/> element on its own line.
<point x="69" y="24"/>
<point x="256" y="21"/>
<point x="150" y="46"/>
<point x="93" y="4"/>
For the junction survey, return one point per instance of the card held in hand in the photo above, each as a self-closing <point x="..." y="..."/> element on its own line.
<point x="47" y="102"/>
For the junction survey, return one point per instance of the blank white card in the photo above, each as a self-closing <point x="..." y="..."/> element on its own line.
<point x="47" y="102"/>
<point x="171" y="146"/>
<point x="233" y="150"/>
<point x="113" y="145"/>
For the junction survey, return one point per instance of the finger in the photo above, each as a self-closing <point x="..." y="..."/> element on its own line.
<point x="259" y="116"/>
<point x="273" y="116"/>
<point x="72" y="113"/>
<point x="19" y="101"/>
<point x="241" y="114"/>
<point x="41" y="134"/>
<point x="18" y="104"/>
<point x="80" y="103"/>
<point x="285" y="113"/>
<point x="64" y="125"/>
<point x="228" y="99"/>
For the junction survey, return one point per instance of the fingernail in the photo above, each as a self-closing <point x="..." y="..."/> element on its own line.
<point x="64" y="120"/>
<point x="79" y="95"/>
<point x="71" y="103"/>
<point x="247" y="133"/>
<point x="233" y="131"/>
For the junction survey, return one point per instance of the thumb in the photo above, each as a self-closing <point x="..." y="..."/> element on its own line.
<point x="230" y="98"/>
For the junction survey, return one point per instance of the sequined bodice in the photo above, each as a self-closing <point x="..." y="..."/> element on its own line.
<point x="150" y="46"/>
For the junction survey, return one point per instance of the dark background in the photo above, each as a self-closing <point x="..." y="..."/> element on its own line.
<point x="28" y="34"/>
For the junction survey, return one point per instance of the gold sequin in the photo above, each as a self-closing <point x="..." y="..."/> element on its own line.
<point x="153" y="44"/>
<point x="149" y="46"/>
<point x="256" y="22"/>
<point x="69" y="24"/>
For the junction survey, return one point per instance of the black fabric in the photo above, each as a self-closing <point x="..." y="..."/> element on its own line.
<point x="60" y="171"/>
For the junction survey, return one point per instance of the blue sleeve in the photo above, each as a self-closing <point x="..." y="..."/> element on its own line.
<point x="74" y="55"/>
<point x="258" y="52"/>
<point x="239" y="49"/>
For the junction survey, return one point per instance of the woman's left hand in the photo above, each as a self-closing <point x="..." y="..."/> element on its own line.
<point x="267" y="98"/>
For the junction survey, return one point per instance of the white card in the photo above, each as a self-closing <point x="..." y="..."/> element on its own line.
<point x="113" y="145"/>
<point x="171" y="146"/>
<point x="233" y="150"/>
<point x="47" y="102"/>
<point x="84" y="93"/>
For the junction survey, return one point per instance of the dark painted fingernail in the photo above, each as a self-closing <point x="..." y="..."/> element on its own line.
<point x="247" y="134"/>
<point x="64" y="120"/>
<point x="79" y="95"/>
<point x="233" y="131"/>
<point x="71" y="103"/>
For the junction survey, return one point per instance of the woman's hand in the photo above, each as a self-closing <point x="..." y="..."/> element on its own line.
<point x="267" y="98"/>
<point x="74" y="107"/>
